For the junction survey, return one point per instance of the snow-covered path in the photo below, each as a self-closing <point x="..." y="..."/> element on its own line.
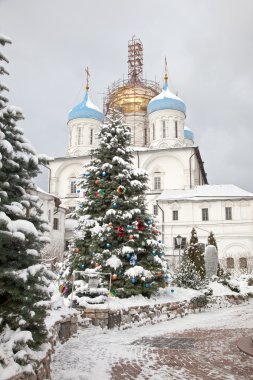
<point x="149" y="352"/>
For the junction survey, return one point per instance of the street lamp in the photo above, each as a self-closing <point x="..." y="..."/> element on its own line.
<point x="179" y="242"/>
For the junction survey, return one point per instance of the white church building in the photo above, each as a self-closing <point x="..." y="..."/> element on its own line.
<point x="179" y="196"/>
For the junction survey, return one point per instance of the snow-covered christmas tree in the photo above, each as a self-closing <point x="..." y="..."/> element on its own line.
<point x="115" y="234"/>
<point x="23" y="279"/>
<point x="191" y="272"/>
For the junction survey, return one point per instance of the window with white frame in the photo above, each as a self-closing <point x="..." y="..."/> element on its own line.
<point x="164" y="129"/>
<point x="205" y="216"/>
<point x="228" y="213"/>
<point x="230" y="263"/>
<point x="56" y="224"/>
<point x="72" y="186"/>
<point x="155" y="210"/>
<point x="175" y="215"/>
<point x="157" y="183"/>
<point x="243" y="263"/>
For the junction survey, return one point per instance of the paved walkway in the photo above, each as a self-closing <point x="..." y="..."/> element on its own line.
<point x="201" y="346"/>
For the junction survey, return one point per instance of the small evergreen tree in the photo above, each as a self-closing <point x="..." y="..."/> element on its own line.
<point x="23" y="279"/>
<point x="191" y="272"/>
<point x="195" y="253"/>
<point x="114" y="233"/>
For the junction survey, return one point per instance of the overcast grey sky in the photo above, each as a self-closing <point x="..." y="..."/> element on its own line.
<point x="209" y="49"/>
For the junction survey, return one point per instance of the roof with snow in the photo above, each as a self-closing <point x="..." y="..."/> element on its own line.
<point x="166" y="100"/>
<point x="206" y="192"/>
<point x="86" y="110"/>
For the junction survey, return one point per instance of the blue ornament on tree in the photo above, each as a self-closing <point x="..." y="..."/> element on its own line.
<point x="172" y="290"/>
<point x="133" y="280"/>
<point x="154" y="253"/>
<point x="146" y="285"/>
<point x="133" y="259"/>
<point x="78" y="190"/>
<point x="82" y="266"/>
<point x="160" y="241"/>
<point x="104" y="174"/>
<point x="108" y="245"/>
<point x="86" y="174"/>
<point x="114" y="205"/>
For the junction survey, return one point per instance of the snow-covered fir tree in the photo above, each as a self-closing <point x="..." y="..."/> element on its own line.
<point x="23" y="279"/>
<point x="191" y="272"/>
<point x="115" y="234"/>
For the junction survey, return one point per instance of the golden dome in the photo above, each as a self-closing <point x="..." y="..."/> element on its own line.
<point x="131" y="97"/>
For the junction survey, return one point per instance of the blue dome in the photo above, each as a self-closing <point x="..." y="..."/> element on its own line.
<point x="166" y="100"/>
<point x="86" y="110"/>
<point x="188" y="134"/>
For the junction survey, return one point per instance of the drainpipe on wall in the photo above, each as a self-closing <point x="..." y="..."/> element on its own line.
<point x="157" y="202"/>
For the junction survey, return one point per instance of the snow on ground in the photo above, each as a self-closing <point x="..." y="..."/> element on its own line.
<point x="93" y="353"/>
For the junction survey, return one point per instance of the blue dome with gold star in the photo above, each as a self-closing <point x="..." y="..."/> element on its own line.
<point x="86" y="110"/>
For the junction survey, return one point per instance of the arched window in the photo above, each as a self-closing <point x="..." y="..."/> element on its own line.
<point x="91" y="136"/>
<point x="243" y="263"/>
<point x="153" y="131"/>
<point x="145" y="136"/>
<point x="79" y="136"/>
<point x="72" y="185"/>
<point x="164" y="129"/>
<point x="176" y="129"/>
<point x="230" y="263"/>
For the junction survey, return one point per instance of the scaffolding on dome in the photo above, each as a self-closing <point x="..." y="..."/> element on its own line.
<point x="133" y="94"/>
<point x="135" y="60"/>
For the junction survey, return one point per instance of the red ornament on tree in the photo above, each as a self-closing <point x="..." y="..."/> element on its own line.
<point x="120" y="231"/>
<point x="140" y="225"/>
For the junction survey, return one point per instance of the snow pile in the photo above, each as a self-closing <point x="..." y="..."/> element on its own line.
<point x="241" y="285"/>
<point x="114" y="262"/>
<point x="138" y="271"/>
<point x="13" y="352"/>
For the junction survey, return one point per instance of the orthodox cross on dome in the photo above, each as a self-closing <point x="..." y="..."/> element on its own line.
<point x="165" y="72"/>
<point x="87" y="78"/>
<point x="135" y="60"/>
